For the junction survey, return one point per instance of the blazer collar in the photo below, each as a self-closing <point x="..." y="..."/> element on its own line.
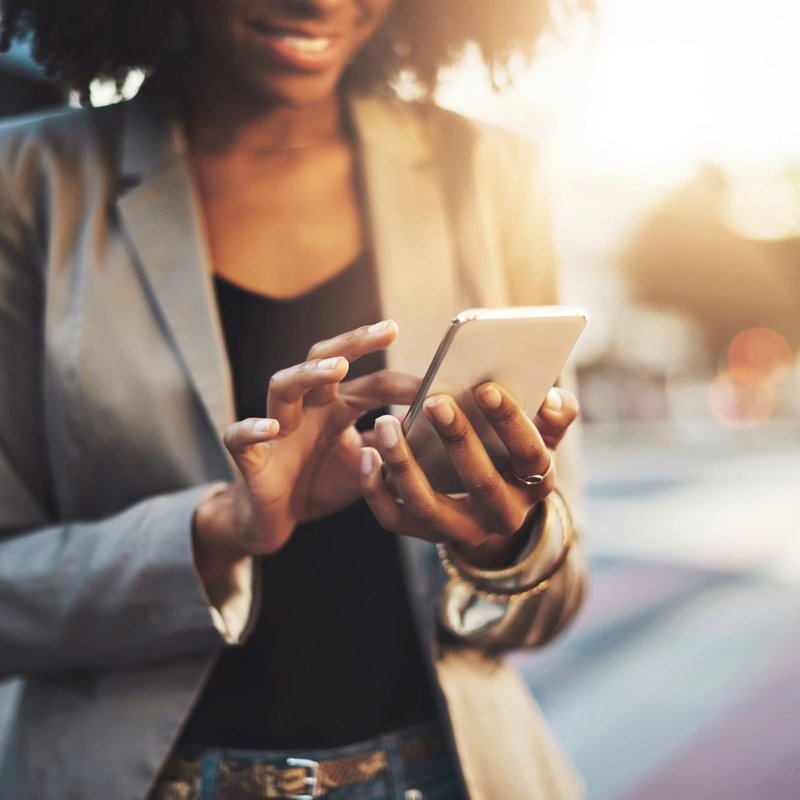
<point x="152" y="138"/>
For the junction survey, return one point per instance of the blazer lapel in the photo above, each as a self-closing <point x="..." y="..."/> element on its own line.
<point x="408" y="221"/>
<point x="418" y="274"/>
<point x="163" y="224"/>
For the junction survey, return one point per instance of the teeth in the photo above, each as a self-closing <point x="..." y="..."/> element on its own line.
<point x="308" y="44"/>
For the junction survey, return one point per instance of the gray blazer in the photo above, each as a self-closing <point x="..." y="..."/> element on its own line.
<point x="114" y="392"/>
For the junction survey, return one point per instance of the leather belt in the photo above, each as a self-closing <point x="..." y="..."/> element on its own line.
<point x="286" y="778"/>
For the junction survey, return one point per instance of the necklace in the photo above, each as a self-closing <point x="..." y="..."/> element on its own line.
<point x="263" y="150"/>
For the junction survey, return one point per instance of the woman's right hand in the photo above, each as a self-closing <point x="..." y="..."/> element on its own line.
<point x="302" y="460"/>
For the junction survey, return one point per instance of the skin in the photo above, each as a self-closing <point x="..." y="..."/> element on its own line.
<point x="269" y="151"/>
<point x="268" y="144"/>
<point x="484" y="522"/>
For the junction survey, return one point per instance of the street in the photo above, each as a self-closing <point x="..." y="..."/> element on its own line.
<point x="681" y="677"/>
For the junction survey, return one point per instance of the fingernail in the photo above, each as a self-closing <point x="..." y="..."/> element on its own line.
<point x="386" y="428"/>
<point x="554" y="401"/>
<point x="378" y="327"/>
<point x="441" y="410"/>
<point x="263" y="425"/>
<point x="328" y="363"/>
<point x="367" y="461"/>
<point x="490" y="396"/>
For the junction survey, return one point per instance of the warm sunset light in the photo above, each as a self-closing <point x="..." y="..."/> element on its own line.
<point x="655" y="87"/>
<point x="265" y="181"/>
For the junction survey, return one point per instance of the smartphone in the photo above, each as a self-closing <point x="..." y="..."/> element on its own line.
<point x="521" y="348"/>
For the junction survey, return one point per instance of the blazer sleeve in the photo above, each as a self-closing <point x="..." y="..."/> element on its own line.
<point x="83" y="594"/>
<point x="514" y="182"/>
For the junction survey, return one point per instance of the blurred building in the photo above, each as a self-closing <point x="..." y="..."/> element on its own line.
<point x="702" y="253"/>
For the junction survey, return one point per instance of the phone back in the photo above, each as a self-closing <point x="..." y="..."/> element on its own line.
<point x="522" y="348"/>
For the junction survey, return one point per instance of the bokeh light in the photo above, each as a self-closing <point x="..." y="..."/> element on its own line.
<point x="759" y="358"/>
<point x="736" y="405"/>
<point x="764" y="205"/>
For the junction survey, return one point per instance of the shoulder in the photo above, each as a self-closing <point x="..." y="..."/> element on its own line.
<point x="41" y="153"/>
<point x="506" y="176"/>
<point x="506" y="166"/>
<point x="424" y="129"/>
<point x="57" y="137"/>
<point x="444" y="125"/>
<point x="62" y="129"/>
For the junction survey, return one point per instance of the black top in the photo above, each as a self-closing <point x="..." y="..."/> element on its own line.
<point x="333" y="658"/>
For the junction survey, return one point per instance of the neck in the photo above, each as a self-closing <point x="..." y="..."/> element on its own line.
<point x="221" y="118"/>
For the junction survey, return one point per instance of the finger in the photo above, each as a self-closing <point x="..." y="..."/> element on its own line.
<point x="247" y="442"/>
<point x="288" y="387"/>
<point x="432" y="516"/>
<point x="391" y="514"/>
<point x="499" y="508"/>
<point x="357" y="342"/>
<point x="527" y="450"/>
<point x="352" y="345"/>
<point x="376" y="390"/>
<point x="369" y="439"/>
<point x="372" y="392"/>
<point x="558" y="412"/>
<point x="387" y="510"/>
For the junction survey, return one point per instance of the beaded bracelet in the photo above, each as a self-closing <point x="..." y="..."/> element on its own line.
<point x="539" y="518"/>
<point x="453" y="565"/>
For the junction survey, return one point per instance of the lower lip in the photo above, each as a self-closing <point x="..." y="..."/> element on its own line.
<point x="290" y="56"/>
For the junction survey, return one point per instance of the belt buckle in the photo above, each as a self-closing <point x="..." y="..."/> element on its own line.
<point x="311" y="780"/>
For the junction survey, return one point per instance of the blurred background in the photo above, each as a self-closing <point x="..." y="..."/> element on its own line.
<point x="671" y="135"/>
<point x="671" y="130"/>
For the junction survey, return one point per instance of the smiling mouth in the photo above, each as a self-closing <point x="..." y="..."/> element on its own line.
<point x="300" y="41"/>
<point x="311" y="45"/>
<point x="296" y="49"/>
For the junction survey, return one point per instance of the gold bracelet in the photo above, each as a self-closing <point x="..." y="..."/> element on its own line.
<point x="522" y="592"/>
<point x="520" y="567"/>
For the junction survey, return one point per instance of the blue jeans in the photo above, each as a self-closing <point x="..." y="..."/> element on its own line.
<point x="431" y="779"/>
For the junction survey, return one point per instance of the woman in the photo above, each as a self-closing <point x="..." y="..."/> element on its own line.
<point x="159" y="260"/>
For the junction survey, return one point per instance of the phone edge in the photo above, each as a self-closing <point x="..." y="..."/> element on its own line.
<point x="441" y="351"/>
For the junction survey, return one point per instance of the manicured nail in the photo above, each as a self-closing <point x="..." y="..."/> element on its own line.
<point x="554" y="401"/>
<point x="367" y="461"/>
<point x="490" y="396"/>
<point x="328" y="363"/>
<point x="263" y="425"/>
<point x="378" y="327"/>
<point x="441" y="410"/>
<point x="386" y="428"/>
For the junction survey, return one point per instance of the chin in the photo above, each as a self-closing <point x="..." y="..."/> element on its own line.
<point x="290" y="88"/>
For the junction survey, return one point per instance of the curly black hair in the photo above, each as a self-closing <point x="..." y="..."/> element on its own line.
<point x="80" y="40"/>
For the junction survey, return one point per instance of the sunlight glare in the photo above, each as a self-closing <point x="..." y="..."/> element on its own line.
<point x="658" y="86"/>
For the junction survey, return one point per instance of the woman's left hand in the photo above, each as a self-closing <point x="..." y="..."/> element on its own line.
<point x="496" y="504"/>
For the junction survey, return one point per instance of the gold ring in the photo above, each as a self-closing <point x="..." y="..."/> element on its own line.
<point x="535" y="480"/>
